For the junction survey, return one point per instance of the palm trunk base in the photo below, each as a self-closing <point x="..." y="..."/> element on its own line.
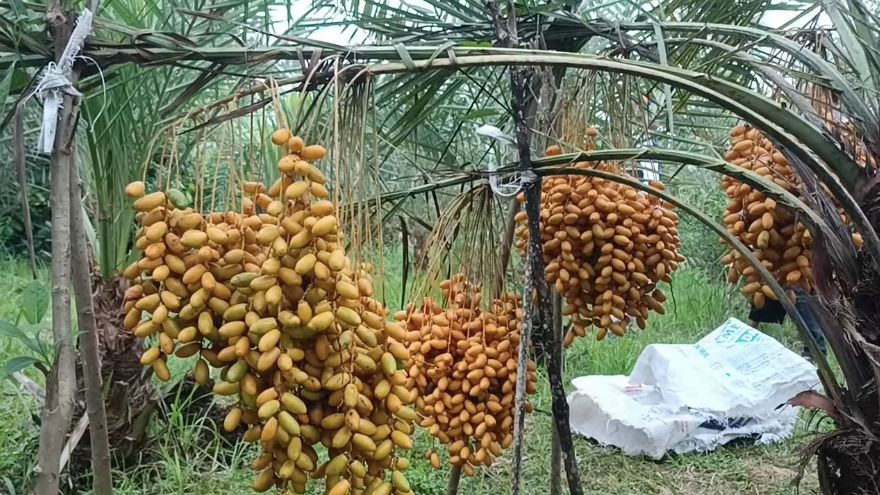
<point x="129" y="397"/>
<point x="130" y="394"/>
<point x="847" y="462"/>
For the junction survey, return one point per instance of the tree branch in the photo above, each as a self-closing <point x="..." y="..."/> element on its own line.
<point x="21" y="172"/>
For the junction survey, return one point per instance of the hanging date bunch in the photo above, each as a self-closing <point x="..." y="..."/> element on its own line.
<point x="268" y="296"/>
<point x="606" y="247"/>
<point x="463" y="360"/>
<point x="772" y="232"/>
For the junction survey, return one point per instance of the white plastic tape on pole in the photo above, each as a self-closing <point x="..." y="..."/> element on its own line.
<point x="56" y="81"/>
<point x="515" y="183"/>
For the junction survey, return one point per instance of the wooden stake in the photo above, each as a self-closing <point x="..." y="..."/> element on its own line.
<point x="89" y="355"/>
<point x="454" y="479"/>
<point x="555" y="451"/>
<point x="536" y="294"/>
<point x="61" y="382"/>
<point x="561" y="414"/>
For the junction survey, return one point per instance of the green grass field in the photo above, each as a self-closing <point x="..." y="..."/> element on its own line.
<point x="187" y="457"/>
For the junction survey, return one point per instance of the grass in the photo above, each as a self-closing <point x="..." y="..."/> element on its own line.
<point x="188" y="456"/>
<point x="18" y="432"/>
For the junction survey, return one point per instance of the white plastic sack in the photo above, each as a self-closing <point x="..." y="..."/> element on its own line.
<point x="685" y="398"/>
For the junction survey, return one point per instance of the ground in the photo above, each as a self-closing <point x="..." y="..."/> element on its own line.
<point x="187" y="456"/>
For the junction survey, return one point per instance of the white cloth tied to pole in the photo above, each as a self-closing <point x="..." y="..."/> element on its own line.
<point x="56" y="81"/>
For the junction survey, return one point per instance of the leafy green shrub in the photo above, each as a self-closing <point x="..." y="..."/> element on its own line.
<point x="22" y="315"/>
<point x="33" y="305"/>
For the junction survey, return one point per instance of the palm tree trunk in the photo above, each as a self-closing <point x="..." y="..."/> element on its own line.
<point x="89" y="353"/>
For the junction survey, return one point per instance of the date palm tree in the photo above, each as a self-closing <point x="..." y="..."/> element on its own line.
<point x="123" y="110"/>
